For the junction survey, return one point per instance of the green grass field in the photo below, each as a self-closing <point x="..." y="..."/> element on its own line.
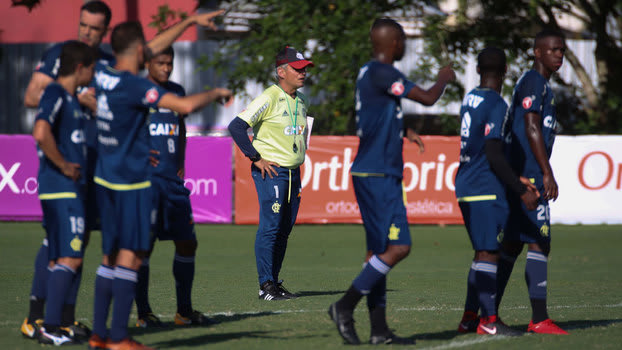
<point x="425" y="297"/>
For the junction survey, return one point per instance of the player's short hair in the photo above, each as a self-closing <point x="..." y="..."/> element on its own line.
<point x="491" y="60"/>
<point x="168" y="51"/>
<point x="126" y="34"/>
<point x="547" y="33"/>
<point x="386" y="22"/>
<point x="74" y="53"/>
<point x="98" y="7"/>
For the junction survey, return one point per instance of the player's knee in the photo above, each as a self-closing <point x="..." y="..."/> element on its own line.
<point x="186" y="248"/>
<point x="73" y="263"/>
<point x="401" y="251"/>
<point x="544" y="248"/>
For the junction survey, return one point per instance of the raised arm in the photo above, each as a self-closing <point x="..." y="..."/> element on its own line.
<point x="167" y="37"/>
<point x="430" y="96"/>
<point x="188" y="104"/>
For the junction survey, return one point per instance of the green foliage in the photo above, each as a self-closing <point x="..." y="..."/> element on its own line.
<point x="333" y="33"/>
<point x="164" y="16"/>
<point x="511" y="25"/>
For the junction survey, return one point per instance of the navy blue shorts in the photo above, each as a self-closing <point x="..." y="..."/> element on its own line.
<point x="173" y="218"/>
<point x="64" y="226"/>
<point x="125" y="218"/>
<point x="381" y="202"/>
<point x="485" y="221"/>
<point x="528" y="226"/>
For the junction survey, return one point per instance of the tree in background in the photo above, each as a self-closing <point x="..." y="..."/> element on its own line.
<point x="333" y="33"/>
<point x="584" y="107"/>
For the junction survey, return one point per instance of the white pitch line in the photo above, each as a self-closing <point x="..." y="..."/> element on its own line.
<point x="462" y="343"/>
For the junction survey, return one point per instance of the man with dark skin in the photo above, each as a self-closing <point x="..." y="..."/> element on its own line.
<point x="481" y="182"/>
<point x="532" y="120"/>
<point x="377" y="177"/>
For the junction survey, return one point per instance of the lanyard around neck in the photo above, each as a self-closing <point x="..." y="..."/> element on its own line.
<point x="292" y="118"/>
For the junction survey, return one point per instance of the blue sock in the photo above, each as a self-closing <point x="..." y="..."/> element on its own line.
<point x="58" y="286"/>
<point x="183" y="270"/>
<point x="472" y="301"/>
<point x="142" y="289"/>
<point x="504" y="270"/>
<point x="486" y="282"/>
<point x="123" y="291"/>
<point x="69" y="309"/>
<point x="378" y="294"/>
<point x="41" y="273"/>
<point x="536" y="278"/>
<point x="103" y="297"/>
<point x="375" y="270"/>
<point x="377" y="305"/>
<point x="38" y="292"/>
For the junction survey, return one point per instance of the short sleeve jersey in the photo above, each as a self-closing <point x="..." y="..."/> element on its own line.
<point x="165" y="138"/>
<point x="279" y="122"/>
<point x="483" y="113"/>
<point x="531" y="94"/>
<point x="123" y="103"/>
<point x="49" y="65"/>
<point x="379" y="123"/>
<point x="62" y="111"/>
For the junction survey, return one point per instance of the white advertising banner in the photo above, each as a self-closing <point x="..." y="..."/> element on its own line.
<point x="588" y="170"/>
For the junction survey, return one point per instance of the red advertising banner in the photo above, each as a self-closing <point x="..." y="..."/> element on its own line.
<point x="327" y="195"/>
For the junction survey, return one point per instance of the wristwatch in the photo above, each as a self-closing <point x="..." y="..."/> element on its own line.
<point x="255" y="158"/>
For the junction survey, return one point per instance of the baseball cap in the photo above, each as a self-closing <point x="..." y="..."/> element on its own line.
<point x="292" y="57"/>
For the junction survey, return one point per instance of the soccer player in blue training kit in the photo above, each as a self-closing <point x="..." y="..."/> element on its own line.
<point x="480" y="190"/>
<point x="123" y="175"/>
<point x="59" y="132"/>
<point x="278" y="119"/>
<point x="532" y="119"/>
<point x="171" y="202"/>
<point x="377" y="177"/>
<point x="94" y="19"/>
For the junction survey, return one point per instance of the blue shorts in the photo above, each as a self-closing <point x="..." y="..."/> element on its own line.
<point x="173" y="219"/>
<point x="528" y="226"/>
<point x="64" y="226"/>
<point x="279" y="199"/>
<point x="485" y="221"/>
<point x="125" y="218"/>
<point x="381" y="202"/>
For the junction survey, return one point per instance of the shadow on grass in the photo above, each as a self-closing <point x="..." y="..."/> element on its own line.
<point x="168" y="326"/>
<point x="312" y="293"/>
<point x="204" y="339"/>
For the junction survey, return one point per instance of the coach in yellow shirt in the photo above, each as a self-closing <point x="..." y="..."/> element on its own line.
<point x="278" y="119"/>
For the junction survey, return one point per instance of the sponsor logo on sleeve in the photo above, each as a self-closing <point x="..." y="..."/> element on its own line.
<point x="527" y="102"/>
<point x="397" y="88"/>
<point x="488" y="128"/>
<point x="152" y="95"/>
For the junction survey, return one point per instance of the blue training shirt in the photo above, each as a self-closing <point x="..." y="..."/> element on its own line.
<point x="49" y="65"/>
<point x="531" y="94"/>
<point x="165" y="138"/>
<point x="62" y="111"/>
<point x="379" y="123"/>
<point x="123" y="102"/>
<point x="483" y="113"/>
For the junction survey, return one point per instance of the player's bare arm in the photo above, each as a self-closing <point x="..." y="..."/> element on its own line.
<point x="413" y="136"/>
<point x="38" y="82"/>
<point x="430" y="96"/>
<point x="188" y="104"/>
<point x="42" y="133"/>
<point x="536" y="143"/>
<point x="166" y="38"/>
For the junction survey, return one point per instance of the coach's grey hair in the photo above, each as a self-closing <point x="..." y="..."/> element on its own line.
<point x="276" y="71"/>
